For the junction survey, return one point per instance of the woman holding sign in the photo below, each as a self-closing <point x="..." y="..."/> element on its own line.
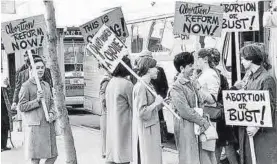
<point x="40" y="136"/>
<point x="265" y="139"/>
<point x="119" y="116"/>
<point x="147" y="136"/>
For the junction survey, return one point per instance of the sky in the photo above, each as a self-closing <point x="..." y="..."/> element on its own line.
<point x="78" y="12"/>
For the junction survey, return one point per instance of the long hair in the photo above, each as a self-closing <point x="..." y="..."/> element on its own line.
<point x="144" y="64"/>
<point x="253" y="53"/>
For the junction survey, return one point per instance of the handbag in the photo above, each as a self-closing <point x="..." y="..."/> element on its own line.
<point x="215" y="112"/>
<point x="210" y="133"/>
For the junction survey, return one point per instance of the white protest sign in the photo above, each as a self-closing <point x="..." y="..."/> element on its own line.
<point x="23" y="34"/>
<point x="107" y="48"/>
<point x="247" y="108"/>
<point x="198" y="19"/>
<point x="240" y="16"/>
<point x="113" y="19"/>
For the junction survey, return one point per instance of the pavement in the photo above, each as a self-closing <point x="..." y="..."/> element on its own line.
<point x="88" y="150"/>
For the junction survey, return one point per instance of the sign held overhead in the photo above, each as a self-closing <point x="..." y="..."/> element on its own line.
<point x="198" y="19"/>
<point x="24" y="34"/>
<point x="114" y="19"/>
<point x="107" y="48"/>
<point x="247" y="108"/>
<point x="240" y="16"/>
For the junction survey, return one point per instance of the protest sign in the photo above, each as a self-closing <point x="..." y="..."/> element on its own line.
<point x="240" y="16"/>
<point x="247" y="108"/>
<point x="23" y="34"/>
<point x="107" y="48"/>
<point x="113" y="19"/>
<point x="198" y="19"/>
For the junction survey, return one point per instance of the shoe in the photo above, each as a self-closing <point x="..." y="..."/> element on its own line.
<point x="5" y="148"/>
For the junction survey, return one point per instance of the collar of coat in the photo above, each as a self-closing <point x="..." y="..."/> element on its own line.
<point x="32" y="80"/>
<point x="183" y="81"/>
<point x="258" y="72"/>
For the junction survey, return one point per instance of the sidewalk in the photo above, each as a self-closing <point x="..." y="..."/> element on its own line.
<point x="87" y="144"/>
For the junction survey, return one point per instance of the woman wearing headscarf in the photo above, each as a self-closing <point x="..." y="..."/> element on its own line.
<point x="265" y="141"/>
<point x="119" y="116"/>
<point x="40" y="136"/>
<point x="147" y="136"/>
<point x="185" y="97"/>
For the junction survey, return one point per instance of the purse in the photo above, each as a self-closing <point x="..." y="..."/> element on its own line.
<point x="210" y="133"/>
<point x="215" y="112"/>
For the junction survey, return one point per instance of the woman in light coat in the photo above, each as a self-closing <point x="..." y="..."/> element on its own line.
<point x="147" y="136"/>
<point x="184" y="97"/>
<point x="40" y="136"/>
<point x="119" y="116"/>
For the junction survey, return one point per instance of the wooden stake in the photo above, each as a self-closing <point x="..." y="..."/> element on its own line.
<point x="150" y="89"/>
<point x="237" y="56"/>
<point x="34" y="71"/>
<point x="252" y="148"/>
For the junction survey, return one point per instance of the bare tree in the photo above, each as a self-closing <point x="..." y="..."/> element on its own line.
<point x="63" y="124"/>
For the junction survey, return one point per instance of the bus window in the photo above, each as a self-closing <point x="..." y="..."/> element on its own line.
<point x="155" y="40"/>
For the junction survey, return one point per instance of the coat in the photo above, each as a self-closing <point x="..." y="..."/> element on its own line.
<point x="22" y="76"/>
<point x="119" y="120"/>
<point x="40" y="136"/>
<point x="265" y="140"/>
<point x="146" y="129"/>
<point x="183" y="100"/>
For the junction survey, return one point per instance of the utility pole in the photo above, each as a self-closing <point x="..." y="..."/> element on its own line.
<point x="63" y="124"/>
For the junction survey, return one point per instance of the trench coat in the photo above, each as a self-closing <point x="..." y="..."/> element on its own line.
<point x="146" y="129"/>
<point x="40" y="136"/>
<point x="119" y="120"/>
<point x="265" y="140"/>
<point x="183" y="100"/>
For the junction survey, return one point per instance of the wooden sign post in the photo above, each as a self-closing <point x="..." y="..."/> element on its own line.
<point x="109" y="51"/>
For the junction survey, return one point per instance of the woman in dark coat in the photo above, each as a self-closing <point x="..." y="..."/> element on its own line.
<point x="265" y="139"/>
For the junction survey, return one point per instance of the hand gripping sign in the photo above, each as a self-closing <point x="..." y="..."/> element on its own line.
<point x="247" y="108"/>
<point x="109" y="51"/>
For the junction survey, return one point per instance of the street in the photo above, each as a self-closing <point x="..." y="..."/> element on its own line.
<point x="87" y="143"/>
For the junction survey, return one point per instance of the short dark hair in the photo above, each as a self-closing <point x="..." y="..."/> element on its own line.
<point x="215" y="56"/>
<point x="36" y="60"/>
<point x="253" y="53"/>
<point x="144" y="64"/>
<point x="120" y="70"/>
<point x="183" y="59"/>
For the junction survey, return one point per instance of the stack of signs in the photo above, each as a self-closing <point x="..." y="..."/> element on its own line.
<point x="198" y="19"/>
<point x="23" y="34"/>
<point x="247" y="108"/>
<point x="240" y="16"/>
<point x="107" y="48"/>
<point x="113" y="19"/>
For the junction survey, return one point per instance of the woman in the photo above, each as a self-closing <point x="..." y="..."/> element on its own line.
<point x="147" y="136"/>
<point x="226" y="134"/>
<point x="119" y="116"/>
<point x="264" y="138"/>
<point x="184" y="98"/>
<point x="209" y="80"/>
<point x="40" y="136"/>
